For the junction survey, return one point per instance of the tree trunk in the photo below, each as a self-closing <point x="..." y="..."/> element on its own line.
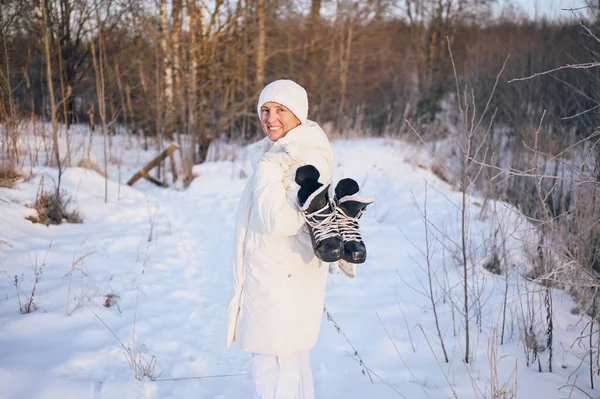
<point x="260" y="45"/>
<point x="10" y="141"/>
<point x="345" y="48"/>
<point x="46" y="32"/>
<point x="311" y="53"/>
<point x="65" y="94"/>
<point x="177" y="66"/>
<point x="204" y="76"/>
<point x="100" y="90"/>
<point x="168" y="69"/>
<point x="187" y="154"/>
<point x="124" y="109"/>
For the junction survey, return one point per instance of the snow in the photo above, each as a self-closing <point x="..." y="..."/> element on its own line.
<point x="164" y="256"/>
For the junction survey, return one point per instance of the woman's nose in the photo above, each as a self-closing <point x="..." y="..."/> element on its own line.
<point x="271" y="117"/>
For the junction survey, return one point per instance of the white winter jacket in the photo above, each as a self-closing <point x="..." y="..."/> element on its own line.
<point x="278" y="283"/>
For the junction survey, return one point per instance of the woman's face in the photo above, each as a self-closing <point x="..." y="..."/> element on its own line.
<point x="277" y="120"/>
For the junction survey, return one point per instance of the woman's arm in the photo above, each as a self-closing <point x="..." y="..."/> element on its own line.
<point x="275" y="194"/>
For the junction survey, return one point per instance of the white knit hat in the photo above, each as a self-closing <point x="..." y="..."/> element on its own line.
<point x="287" y="93"/>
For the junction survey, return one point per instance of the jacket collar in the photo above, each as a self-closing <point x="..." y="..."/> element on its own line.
<point x="306" y="134"/>
<point x="291" y="136"/>
<point x="300" y="134"/>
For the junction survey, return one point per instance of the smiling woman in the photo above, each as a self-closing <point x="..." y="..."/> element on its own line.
<point x="278" y="282"/>
<point x="282" y="106"/>
<point x="277" y="120"/>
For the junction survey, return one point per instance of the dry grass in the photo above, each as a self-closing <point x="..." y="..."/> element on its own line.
<point x="87" y="163"/>
<point x="441" y="172"/>
<point x="493" y="264"/>
<point x="110" y="300"/>
<point x="188" y="178"/>
<point x="9" y="176"/>
<point x="79" y="264"/>
<point x="142" y="366"/>
<point x="52" y="208"/>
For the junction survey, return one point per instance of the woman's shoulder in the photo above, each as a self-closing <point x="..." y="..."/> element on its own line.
<point x="258" y="149"/>
<point x="309" y="145"/>
<point x="309" y="133"/>
<point x="306" y="136"/>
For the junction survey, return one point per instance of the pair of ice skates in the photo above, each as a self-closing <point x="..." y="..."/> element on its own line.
<point x="333" y="224"/>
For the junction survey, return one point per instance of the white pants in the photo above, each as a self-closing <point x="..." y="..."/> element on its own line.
<point x="282" y="377"/>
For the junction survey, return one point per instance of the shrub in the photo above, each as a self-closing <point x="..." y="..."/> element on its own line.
<point x="52" y="208"/>
<point x="9" y="175"/>
<point x="493" y="264"/>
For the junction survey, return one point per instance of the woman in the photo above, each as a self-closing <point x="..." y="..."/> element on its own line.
<point x="278" y="282"/>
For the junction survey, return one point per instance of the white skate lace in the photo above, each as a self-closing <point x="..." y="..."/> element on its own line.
<point x="348" y="226"/>
<point x="322" y="222"/>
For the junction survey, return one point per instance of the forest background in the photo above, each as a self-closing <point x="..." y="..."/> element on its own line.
<point x="195" y="68"/>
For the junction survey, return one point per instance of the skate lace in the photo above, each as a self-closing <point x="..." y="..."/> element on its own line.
<point x="348" y="225"/>
<point x="322" y="222"/>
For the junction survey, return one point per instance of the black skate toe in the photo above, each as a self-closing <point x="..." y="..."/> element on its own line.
<point x="354" y="252"/>
<point x="330" y="250"/>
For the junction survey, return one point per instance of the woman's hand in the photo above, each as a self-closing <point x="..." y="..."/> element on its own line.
<point x="288" y="166"/>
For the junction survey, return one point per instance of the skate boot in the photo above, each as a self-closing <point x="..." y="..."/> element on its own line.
<point x="319" y="213"/>
<point x="349" y="208"/>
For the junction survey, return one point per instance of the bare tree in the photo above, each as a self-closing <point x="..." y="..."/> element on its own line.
<point x="46" y="31"/>
<point x="167" y="62"/>
<point x="345" y="47"/>
<point x="260" y="44"/>
<point x="311" y="47"/>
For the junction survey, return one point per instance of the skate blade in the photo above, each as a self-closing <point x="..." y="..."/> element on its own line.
<point x="349" y="269"/>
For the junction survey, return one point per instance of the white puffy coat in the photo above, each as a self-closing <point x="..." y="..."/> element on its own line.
<point x="278" y="283"/>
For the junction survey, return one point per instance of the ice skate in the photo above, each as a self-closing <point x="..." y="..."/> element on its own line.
<point x="319" y="213"/>
<point x="349" y="209"/>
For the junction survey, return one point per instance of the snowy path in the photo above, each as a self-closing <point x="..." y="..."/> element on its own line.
<point x="176" y="285"/>
<point x="198" y="279"/>
<point x="199" y="282"/>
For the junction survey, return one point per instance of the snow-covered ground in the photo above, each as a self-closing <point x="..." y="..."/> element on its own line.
<point x="162" y="256"/>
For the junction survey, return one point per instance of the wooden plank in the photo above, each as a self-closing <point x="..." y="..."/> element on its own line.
<point x="153" y="180"/>
<point x="173" y="167"/>
<point x="152" y="164"/>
